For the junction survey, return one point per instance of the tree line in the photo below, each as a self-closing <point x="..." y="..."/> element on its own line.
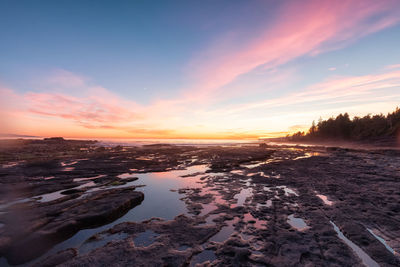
<point x="356" y="129"/>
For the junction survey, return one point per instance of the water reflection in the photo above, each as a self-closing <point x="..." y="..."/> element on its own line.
<point x="267" y="204"/>
<point x="183" y="248"/>
<point x="68" y="169"/>
<point x="226" y="231"/>
<point x="297" y="223"/>
<point x="159" y="202"/>
<point x="145" y="238"/>
<point x="93" y="244"/>
<point x="308" y="155"/>
<point x="383" y="241"/>
<point x="365" y="258"/>
<point x="88" y="184"/>
<point x="242" y="196"/>
<point x="69" y="163"/>
<point x="288" y="191"/>
<point x="325" y="199"/>
<point x="126" y="175"/>
<point x="9" y="165"/>
<point x="253" y="222"/>
<point x="205" y="255"/>
<point x="49" y="196"/>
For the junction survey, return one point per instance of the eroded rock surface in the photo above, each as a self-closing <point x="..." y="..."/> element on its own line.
<point x="252" y="206"/>
<point x="31" y="229"/>
<point x="173" y="244"/>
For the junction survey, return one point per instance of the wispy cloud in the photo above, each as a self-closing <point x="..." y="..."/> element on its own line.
<point x="94" y="108"/>
<point x="300" y="28"/>
<point x="344" y="89"/>
<point x="66" y="79"/>
<point x="90" y="109"/>
<point x="101" y="112"/>
<point x="394" y="66"/>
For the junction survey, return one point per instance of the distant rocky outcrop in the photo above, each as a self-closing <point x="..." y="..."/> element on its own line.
<point x="55" y="139"/>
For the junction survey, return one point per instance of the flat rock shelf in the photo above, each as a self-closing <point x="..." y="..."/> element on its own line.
<point x="243" y="205"/>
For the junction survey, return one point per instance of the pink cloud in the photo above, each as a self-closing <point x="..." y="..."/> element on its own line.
<point x="99" y="111"/>
<point x="96" y="105"/>
<point x="394" y="66"/>
<point x="301" y="28"/>
<point x="65" y="79"/>
<point x="8" y="99"/>
<point x="96" y="108"/>
<point x="334" y="90"/>
<point x="90" y="109"/>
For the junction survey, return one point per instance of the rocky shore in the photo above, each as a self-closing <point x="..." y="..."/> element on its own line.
<point x="244" y="205"/>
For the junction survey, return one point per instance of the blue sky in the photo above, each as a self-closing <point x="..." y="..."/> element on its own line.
<point x="124" y="45"/>
<point x="194" y="69"/>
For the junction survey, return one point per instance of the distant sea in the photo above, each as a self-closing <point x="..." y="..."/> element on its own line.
<point x="197" y="142"/>
<point x="141" y="142"/>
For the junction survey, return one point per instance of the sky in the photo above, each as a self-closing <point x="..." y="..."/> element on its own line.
<point x="231" y="69"/>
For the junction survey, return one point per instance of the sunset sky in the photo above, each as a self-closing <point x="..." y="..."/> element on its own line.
<point x="194" y="69"/>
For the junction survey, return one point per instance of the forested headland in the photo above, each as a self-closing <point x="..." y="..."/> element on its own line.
<point x="343" y="128"/>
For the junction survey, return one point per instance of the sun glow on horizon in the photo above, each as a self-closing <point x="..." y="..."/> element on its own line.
<point x="229" y="82"/>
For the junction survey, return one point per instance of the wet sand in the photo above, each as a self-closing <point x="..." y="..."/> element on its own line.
<point x="74" y="203"/>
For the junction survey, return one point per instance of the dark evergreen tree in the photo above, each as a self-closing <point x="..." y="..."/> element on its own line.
<point x="344" y="128"/>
